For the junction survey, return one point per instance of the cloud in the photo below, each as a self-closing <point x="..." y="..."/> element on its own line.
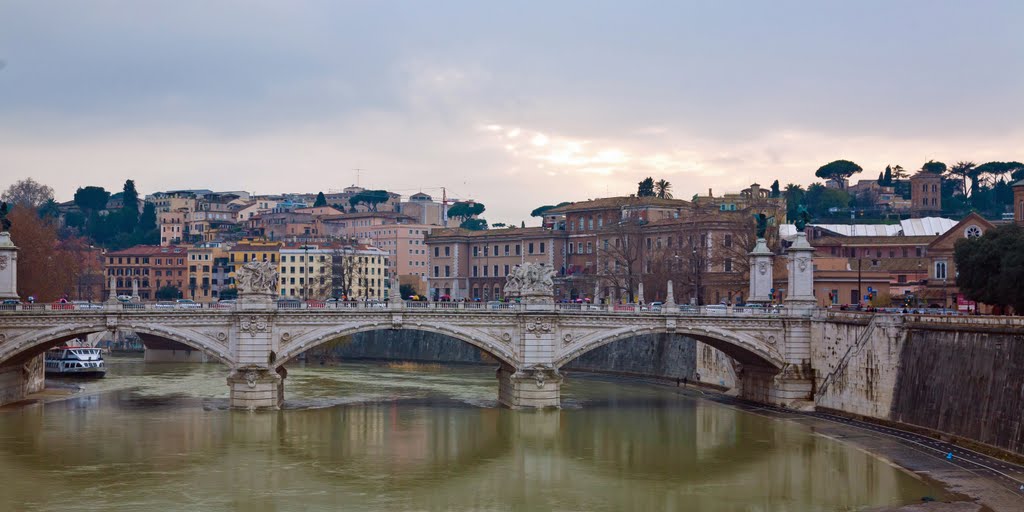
<point x="502" y="103"/>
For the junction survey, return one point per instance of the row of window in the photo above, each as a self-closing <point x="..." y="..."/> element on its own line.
<point x="852" y="252"/>
<point x="121" y="260"/>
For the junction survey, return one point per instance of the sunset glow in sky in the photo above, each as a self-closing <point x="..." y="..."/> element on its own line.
<point x="513" y="104"/>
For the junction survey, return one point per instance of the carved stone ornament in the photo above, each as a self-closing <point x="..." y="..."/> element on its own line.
<point x="253" y="324"/>
<point x="530" y="279"/>
<point x="257" y="277"/>
<point x="771" y="340"/>
<point x="567" y="338"/>
<point x="286" y="336"/>
<point x="506" y="336"/>
<point x="801" y="263"/>
<point x="222" y="336"/>
<point x="762" y="267"/>
<point x="3" y="262"/>
<point x="251" y="377"/>
<point x="538" y="327"/>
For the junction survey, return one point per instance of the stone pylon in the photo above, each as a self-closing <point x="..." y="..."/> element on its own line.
<point x="640" y="292"/>
<point x="112" y="296"/>
<point x="800" y="290"/>
<point x="8" y="267"/>
<point x="761" y="278"/>
<point x="135" y="291"/>
<point x="395" y="296"/>
<point x="670" y="295"/>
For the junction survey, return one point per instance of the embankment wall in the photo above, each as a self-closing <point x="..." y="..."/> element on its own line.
<point x="959" y="376"/>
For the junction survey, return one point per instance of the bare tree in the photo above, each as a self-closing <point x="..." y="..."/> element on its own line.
<point x="347" y="272"/>
<point x="620" y="253"/>
<point x="28" y="192"/>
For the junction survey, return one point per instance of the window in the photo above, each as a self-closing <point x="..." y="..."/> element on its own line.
<point x="902" y="278"/>
<point x="892" y="253"/>
<point x="495" y="271"/>
<point x="727" y="242"/>
<point x="435" y="271"/>
<point x="529" y="247"/>
<point x="518" y="250"/>
<point x="728" y="264"/>
<point x="878" y="253"/>
<point x="506" y="250"/>
<point x="485" y="270"/>
<point x="542" y="247"/>
<point x="940" y="270"/>
<point x="918" y="251"/>
<point x="447" y="251"/>
<point x="475" y="273"/>
<point x="506" y="270"/>
<point x="590" y="247"/>
<point x="905" y="252"/>
<point x="447" y="271"/>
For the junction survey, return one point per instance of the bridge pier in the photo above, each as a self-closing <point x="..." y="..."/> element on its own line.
<point x="534" y="388"/>
<point x="790" y="388"/>
<point x="19" y="380"/>
<point x="256" y="388"/>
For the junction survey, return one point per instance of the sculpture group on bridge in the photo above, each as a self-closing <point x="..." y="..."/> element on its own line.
<point x="530" y="279"/>
<point x="256" y="277"/>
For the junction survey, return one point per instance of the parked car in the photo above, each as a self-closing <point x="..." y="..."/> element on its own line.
<point x="716" y="309"/>
<point x="289" y="304"/>
<point x="187" y="304"/>
<point x="82" y="304"/>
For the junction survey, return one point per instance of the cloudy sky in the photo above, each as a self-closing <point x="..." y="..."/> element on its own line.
<point x="514" y="104"/>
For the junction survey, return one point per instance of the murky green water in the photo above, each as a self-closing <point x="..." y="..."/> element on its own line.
<point x="371" y="437"/>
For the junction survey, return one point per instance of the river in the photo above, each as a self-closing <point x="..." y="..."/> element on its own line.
<point x="419" y="437"/>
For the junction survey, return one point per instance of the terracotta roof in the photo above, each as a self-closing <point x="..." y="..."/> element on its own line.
<point x="245" y="247"/>
<point x="503" y="232"/>
<point x="873" y="241"/>
<point x="149" y="250"/>
<point x="620" y="202"/>
<point x="364" y="215"/>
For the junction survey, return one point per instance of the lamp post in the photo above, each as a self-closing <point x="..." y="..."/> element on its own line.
<point x="696" y="274"/>
<point x="859" y="293"/>
<point x="305" y="271"/>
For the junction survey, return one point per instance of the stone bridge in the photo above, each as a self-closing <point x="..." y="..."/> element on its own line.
<point x="531" y="338"/>
<point x="256" y="341"/>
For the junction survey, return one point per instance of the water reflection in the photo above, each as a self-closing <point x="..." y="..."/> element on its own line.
<point x="420" y="441"/>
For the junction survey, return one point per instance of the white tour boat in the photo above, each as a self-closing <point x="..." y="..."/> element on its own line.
<point x="85" y="361"/>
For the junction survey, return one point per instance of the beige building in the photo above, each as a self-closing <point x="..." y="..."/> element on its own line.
<point x="208" y="271"/>
<point x="474" y="265"/>
<point x="173" y="226"/>
<point x="754" y="197"/>
<point x="423" y="210"/>
<point x="399" y="236"/>
<point x="305" y="271"/>
<point x="925" y="194"/>
<point x="318" y="271"/>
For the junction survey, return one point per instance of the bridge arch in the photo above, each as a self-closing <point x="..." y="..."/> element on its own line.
<point x="33" y="343"/>
<point x="742" y="347"/>
<point x="306" y="341"/>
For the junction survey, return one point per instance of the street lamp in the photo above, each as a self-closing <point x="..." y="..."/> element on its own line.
<point x="696" y="274"/>
<point x="305" y="272"/>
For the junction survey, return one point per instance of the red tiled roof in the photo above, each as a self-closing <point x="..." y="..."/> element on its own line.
<point x="149" y="250"/>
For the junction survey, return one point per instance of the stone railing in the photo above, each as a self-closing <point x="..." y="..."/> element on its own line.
<point x="287" y="305"/>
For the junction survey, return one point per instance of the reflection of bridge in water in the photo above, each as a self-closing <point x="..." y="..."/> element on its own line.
<point x="257" y="341"/>
<point x="439" y="457"/>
